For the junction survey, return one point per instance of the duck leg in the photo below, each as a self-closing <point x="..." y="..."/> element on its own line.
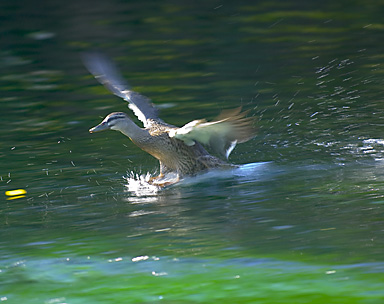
<point x="165" y="178"/>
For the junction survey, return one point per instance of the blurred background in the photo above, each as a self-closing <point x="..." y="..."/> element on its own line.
<point x="300" y="221"/>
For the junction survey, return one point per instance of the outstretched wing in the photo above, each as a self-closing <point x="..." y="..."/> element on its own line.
<point x="106" y="72"/>
<point x="222" y="135"/>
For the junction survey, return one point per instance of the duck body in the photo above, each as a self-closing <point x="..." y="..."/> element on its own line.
<point x="179" y="150"/>
<point x="173" y="154"/>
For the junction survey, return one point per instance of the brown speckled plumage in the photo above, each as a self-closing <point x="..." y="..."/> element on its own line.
<point x="174" y="155"/>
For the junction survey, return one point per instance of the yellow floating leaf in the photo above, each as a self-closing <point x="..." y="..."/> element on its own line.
<point x="15" y="192"/>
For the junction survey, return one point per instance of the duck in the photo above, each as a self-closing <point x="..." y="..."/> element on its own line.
<point x="181" y="151"/>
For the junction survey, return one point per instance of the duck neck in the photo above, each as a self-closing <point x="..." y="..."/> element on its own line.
<point x="135" y="133"/>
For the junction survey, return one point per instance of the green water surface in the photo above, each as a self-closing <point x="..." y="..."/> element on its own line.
<point x="300" y="221"/>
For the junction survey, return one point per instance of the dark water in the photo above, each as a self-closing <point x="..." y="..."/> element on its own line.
<point x="301" y="221"/>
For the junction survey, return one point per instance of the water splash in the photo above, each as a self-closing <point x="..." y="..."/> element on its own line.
<point x="144" y="187"/>
<point x="139" y="184"/>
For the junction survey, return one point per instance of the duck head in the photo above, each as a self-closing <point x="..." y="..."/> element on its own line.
<point x="114" y="121"/>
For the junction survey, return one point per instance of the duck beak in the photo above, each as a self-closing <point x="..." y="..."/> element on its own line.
<point x="100" y="127"/>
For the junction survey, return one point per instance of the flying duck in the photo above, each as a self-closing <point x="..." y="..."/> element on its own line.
<point x="180" y="151"/>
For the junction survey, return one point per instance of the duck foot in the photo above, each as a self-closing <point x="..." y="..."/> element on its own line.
<point x="164" y="180"/>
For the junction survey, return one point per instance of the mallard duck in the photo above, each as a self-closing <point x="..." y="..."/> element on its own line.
<point x="180" y="151"/>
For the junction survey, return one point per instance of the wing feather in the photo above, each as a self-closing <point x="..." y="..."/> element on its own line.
<point x="106" y="72"/>
<point x="221" y="135"/>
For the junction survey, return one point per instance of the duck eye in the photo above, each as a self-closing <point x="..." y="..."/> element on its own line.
<point x="111" y="121"/>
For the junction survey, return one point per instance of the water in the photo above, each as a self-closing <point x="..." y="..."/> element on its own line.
<point x="301" y="219"/>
